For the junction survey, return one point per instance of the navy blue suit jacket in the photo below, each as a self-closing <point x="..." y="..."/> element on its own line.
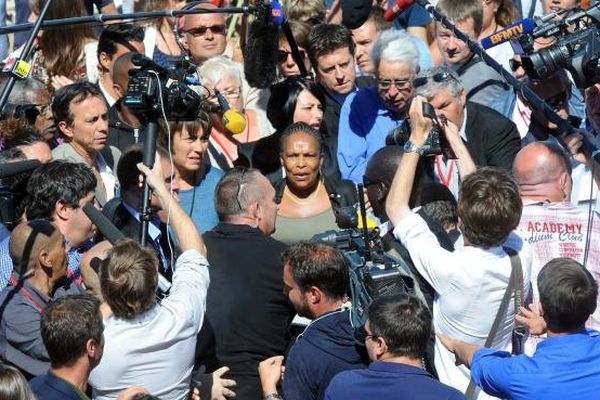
<point x="51" y="387"/>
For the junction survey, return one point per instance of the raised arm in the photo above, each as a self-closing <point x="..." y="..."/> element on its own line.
<point x="396" y="205"/>
<point x="187" y="234"/>
<point x="465" y="163"/>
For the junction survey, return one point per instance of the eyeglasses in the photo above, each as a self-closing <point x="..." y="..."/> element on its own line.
<point x="233" y="93"/>
<point x="514" y="64"/>
<point x="240" y="184"/>
<point x="201" y="30"/>
<point x="368" y="182"/>
<point x="399" y="84"/>
<point x="361" y="335"/>
<point x="439" y="77"/>
<point x="283" y="55"/>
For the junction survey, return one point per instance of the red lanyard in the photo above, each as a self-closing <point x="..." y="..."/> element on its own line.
<point x="25" y="293"/>
<point x="446" y="179"/>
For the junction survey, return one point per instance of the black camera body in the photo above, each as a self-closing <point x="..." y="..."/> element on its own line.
<point x="372" y="272"/>
<point x="436" y="140"/>
<point x="152" y="88"/>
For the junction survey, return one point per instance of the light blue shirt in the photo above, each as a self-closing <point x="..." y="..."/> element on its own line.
<point x="364" y="124"/>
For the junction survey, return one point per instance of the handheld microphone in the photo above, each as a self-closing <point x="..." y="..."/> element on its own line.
<point x="232" y="119"/>
<point x="399" y="6"/>
<point x="513" y="31"/>
<point x="16" y="167"/>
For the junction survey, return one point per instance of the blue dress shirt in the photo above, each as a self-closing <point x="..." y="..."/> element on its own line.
<point x="364" y="124"/>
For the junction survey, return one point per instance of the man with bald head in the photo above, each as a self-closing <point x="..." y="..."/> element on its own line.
<point x="550" y="223"/>
<point x="39" y="255"/>
<point x="204" y="35"/>
<point x="125" y="125"/>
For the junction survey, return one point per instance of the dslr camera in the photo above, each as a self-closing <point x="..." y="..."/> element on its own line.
<point x="436" y="140"/>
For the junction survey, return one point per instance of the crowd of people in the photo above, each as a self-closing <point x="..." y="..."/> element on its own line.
<point x="213" y="287"/>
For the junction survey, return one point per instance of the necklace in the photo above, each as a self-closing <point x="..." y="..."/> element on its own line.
<point x="301" y="201"/>
<point x="164" y="39"/>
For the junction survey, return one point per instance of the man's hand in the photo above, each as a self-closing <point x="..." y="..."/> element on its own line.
<point x="574" y="143"/>
<point x="129" y="393"/>
<point x="155" y="180"/>
<point x="531" y="319"/>
<point x="271" y="372"/>
<point x="466" y="165"/>
<point x="463" y="351"/>
<point x="420" y="125"/>
<point x="220" y="386"/>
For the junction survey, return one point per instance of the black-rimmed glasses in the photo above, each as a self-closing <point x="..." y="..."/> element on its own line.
<point x="399" y="84"/>
<point x="439" y="77"/>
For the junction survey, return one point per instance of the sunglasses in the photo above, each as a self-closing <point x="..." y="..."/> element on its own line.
<point x="399" y="84"/>
<point x="557" y="101"/>
<point x="201" y="30"/>
<point x="514" y="64"/>
<point x="439" y="77"/>
<point x="283" y="55"/>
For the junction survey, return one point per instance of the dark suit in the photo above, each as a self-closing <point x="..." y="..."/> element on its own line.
<point x="129" y="226"/>
<point x="492" y="139"/>
<point x="51" y="387"/>
<point x="246" y="310"/>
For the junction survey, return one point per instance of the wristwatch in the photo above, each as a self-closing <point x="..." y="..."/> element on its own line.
<point x="410" y="147"/>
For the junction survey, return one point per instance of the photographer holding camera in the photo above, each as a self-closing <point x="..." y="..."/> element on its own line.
<point x="471" y="281"/>
<point x="492" y="139"/>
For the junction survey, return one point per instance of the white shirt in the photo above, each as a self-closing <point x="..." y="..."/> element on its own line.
<point x="469" y="283"/>
<point x="156" y="349"/>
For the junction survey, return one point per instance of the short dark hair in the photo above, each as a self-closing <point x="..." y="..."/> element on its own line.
<point x="127" y="172"/>
<point x="301" y="127"/>
<point x="237" y="188"/>
<point x="75" y="92"/>
<point x="67" y="324"/>
<point x="55" y="181"/>
<point x="403" y="321"/>
<point x="568" y="294"/>
<point x="326" y="38"/>
<point x="489" y="206"/>
<point x="284" y="96"/>
<point x="300" y="31"/>
<point x="128" y="279"/>
<point x="116" y="34"/>
<point x="376" y="16"/>
<point x="202" y="122"/>
<point x="320" y="265"/>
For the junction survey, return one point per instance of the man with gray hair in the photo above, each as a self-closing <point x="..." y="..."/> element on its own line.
<point x="492" y="139"/>
<point x="368" y="115"/>
<point x="247" y="312"/>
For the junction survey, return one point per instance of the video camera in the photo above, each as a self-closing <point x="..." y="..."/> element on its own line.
<point x="152" y="86"/>
<point x="372" y="272"/>
<point x="577" y="47"/>
<point x="436" y="140"/>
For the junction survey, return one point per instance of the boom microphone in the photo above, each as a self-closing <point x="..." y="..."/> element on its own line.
<point x="104" y="225"/>
<point x="260" y="54"/>
<point x="513" y="31"/>
<point x="399" y="6"/>
<point x="16" y="167"/>
<point x="233" y="120"/>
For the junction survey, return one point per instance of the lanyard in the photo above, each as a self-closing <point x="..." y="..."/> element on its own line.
<point x="446" y="179"/>
<point x="25" y="293"/>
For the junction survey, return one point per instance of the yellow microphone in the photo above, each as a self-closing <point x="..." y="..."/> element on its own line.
<point x="233" y="120"/>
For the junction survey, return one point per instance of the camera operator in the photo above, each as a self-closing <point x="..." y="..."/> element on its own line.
<point x="470" y="282"/>
<point x="491" y="139"/>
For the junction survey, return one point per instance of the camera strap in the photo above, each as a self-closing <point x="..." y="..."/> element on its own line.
<point x="515" y="284"/>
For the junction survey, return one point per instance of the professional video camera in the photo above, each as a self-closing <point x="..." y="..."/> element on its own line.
<point x="577" y="47"/>
<point x="436" y="140"/>
<point x="372" y="272"/>
<point x="152" y="86"/>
